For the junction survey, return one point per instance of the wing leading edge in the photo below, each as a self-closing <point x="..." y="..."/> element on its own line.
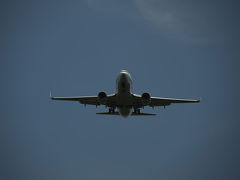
<point x="157" y="101"/>
<point x="90" y="100"/>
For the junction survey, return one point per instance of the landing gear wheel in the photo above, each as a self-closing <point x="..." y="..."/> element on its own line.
<point x="137" y="111"/>
<point x="111" y="110"/>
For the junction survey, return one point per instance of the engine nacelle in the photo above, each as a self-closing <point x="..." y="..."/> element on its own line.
<point x="102" y="95"/>
<point x="146" y="98"/>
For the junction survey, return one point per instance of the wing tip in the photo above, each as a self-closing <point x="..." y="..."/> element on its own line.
<point x="50" y="95"/>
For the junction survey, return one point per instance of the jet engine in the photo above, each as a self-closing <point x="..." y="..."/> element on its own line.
<point x="102" y="95"/>
<point x="146" y="98"/>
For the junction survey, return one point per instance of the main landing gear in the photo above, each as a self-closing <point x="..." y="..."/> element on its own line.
<point x="136" y="111"/>
<point x="111" y="110"/>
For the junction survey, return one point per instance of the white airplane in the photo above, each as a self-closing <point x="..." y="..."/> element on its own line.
<point x="124" y="100"/>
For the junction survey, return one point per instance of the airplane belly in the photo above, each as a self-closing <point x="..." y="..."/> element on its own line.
<point x="124" y="104"/>
<point x="124" y="99"/>
<point x="125" y="111"/>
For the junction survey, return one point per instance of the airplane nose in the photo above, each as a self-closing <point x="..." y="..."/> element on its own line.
<point x="123" y="75"/>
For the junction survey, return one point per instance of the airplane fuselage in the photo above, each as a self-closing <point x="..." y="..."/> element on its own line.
<point x="124" y="93"/>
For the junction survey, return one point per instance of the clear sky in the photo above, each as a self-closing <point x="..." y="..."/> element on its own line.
<point x="180" y="49"/>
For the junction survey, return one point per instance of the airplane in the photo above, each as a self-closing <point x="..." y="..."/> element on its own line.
<point x="124" y="99"/>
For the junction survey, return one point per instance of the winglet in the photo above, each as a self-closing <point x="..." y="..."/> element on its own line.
<point x="50" y="95"/>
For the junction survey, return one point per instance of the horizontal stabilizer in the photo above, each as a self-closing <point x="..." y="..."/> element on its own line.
<point x="109" y="113"/>
<point x="142" y="114"/>
<point x="133" y="114"/>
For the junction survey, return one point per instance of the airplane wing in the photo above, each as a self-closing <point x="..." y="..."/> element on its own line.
<point x="90" y="100"/>
<point x="159" y="101"/>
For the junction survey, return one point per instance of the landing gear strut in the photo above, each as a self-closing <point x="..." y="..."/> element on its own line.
<point x="111" y="110"/>
<point x="137" y="111"/>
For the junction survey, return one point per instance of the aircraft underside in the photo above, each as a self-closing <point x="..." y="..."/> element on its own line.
<point x="124" y="100"/>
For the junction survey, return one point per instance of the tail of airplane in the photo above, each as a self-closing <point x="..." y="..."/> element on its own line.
<point x="133" y="114"/>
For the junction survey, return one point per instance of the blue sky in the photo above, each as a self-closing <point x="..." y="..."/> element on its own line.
<point x="187" y="49"/>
